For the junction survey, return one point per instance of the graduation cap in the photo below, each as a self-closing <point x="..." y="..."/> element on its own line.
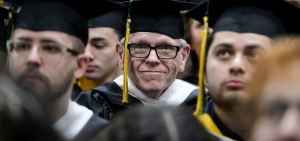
<point x="62" y="15"/>
<point x="160" y="16"/>
<point x="242" y="16"/>
<point x="249" y="16"/>
<point x="114" y="19"/>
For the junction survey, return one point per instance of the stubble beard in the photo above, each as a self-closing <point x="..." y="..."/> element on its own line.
<point x="46" y="92"/>
<point x="225" y="102"/>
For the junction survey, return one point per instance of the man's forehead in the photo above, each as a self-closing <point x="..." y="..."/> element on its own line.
<point x="240" y="39"/>
<point x="25" y="33"/>
<point x="152" y="38"/>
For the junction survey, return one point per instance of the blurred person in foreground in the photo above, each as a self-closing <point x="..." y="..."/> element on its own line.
<point x="104" y="35"/>
<point x="275" y="87"/>
<point x="156" y="53"/>
<point x="22" y="116"/>
<point x="46" y="58"/>
<point x="242" y="31"/>
<point x="155" y="124"/>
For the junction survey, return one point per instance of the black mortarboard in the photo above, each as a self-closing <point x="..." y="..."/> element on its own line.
<point x="249" y="16"/>
<point x="114" y="19"/>
<point x="62" y="15"/>
<point x="161" y="16"/>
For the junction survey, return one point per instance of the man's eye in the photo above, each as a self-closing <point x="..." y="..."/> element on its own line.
<point x="223" y="54"/>
<point x="275" y="111"/>
<point x="99" y="46"/>
<point x="51" y="48"/>
<point x="253" y="55"/>
<point x="22" y="46"/>
<point x="139" y="46"/>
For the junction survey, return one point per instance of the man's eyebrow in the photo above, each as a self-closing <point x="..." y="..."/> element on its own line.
<point x="24" y="38"/>
<point x="97" y="39"/>
<point x="224" y="45"/>
<point x="48" y="41"/>
<point x="252" y="47"/>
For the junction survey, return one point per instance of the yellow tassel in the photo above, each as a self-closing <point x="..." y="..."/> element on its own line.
<point x="201" y="69"/>
<point x="11" y="36"/>
<point x="125" y="81"/>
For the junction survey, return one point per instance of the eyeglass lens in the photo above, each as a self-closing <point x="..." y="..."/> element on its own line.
<point x="142" y="51"/>
<point x="47" y="50"/>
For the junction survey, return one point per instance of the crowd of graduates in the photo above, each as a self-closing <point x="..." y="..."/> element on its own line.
<point x="149" y="70"/>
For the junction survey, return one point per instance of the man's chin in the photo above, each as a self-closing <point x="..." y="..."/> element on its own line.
<point x="92" y="76"/>
<point x="34" y="88"/>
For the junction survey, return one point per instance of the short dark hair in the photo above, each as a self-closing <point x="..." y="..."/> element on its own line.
<point x="119" y="33"/>
<point x="209" y="41"/>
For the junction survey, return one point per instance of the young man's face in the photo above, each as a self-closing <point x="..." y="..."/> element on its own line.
<point x="229" y="65"/>
<point x="279" y="116"/>
<point x="44" y="70"/>
<point x="152" y="74"/>
<point x="101" y="50"/>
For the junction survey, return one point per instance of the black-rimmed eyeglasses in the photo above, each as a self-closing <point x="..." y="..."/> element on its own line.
<point x="162" y="52"/>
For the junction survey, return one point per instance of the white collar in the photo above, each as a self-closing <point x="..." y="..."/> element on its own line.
<point x="73" y="121"/>
<point x="175" y="94"/>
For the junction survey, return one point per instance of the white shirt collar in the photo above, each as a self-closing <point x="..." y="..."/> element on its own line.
<point x="175" y="94"/>
<point x="73" y="121"/>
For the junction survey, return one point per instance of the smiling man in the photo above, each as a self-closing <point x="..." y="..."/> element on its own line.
<point x="47" y="54"/>
<point x="156" y="53"/>
<point x="242" y="31"/>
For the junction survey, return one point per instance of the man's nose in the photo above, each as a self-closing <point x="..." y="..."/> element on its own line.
<point x="152" y="58"/>
<point x="289" y="126"/>
<point x="237" y="65"/>
<point x="88" y="52"/>
<point x="34" y="57"/>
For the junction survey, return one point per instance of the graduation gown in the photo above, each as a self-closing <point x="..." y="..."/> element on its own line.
<point x="106" y="100"/>
<point x="82" y="84"/>
<point x="213" y="124"/>
<point x="79" y="123"/>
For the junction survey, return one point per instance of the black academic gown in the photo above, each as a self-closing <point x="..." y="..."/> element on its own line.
<point x="91" y="129"/>
<point x="106" y="100"/>
<point x="222" y="127"/>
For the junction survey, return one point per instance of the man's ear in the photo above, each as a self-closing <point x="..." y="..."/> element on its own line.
<point x="119" y="50"/>
<point x="185" y="54"/>
<point x="82" y="63"/>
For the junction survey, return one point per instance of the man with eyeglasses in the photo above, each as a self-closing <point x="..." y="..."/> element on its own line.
<point x="156" y="53"/>
<point x="47" y="54"/>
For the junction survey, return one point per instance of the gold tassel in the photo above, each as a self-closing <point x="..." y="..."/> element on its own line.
<point x="199" y="107"/>
<point x="11" y="36"/>
<point x="125" y="81"/>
